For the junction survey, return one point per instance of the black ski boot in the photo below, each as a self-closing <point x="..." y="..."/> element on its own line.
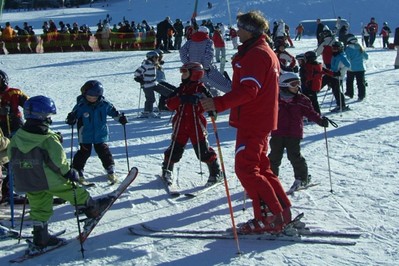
<point x="215" y="174"/>
<point x="94" y="208"/>
<point x="41" y="237"/>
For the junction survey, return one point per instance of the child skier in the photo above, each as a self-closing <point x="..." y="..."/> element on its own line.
<point x="146" y="75"/>
<point x="293" y="106"/>
<point x="91" y="113"/>
<point x="190" y="123"/>
<point x="313" y="79"/>
<point x="339" y="66"/>
<point x="41" y="170"/>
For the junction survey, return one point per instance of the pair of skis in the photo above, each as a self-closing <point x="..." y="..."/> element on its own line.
<point x="291" y="234"/>
<point x="89" y="224"/>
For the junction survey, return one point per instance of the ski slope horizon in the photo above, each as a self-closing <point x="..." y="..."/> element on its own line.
<point x="358" y="162"/>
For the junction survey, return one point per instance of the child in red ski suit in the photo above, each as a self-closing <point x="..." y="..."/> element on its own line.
<point x="190" y="123"/>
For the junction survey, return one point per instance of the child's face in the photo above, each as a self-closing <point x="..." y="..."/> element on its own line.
<point x="91" y="99"/>
<point x="185" y="74"/>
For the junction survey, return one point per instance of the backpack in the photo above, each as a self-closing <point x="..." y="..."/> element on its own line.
<point x="313" y="76"/>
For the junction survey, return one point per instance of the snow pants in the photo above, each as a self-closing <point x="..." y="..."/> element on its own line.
<point x="292" y="145"/>
<point x="360" y="82"/>
<point x="252" y="167"/>
<point x="41" y="202"/>
<point x="102" y="150"/>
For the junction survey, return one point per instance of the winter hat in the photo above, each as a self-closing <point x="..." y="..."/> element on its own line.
<point x="203" y="29"/>
<point x="351" y="40"/>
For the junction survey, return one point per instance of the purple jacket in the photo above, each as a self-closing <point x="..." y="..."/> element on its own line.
<point x="290" y="116"/>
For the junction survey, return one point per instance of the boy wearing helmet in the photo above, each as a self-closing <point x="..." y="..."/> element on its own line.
<point x="337" y="71"/>
<point x="190" y="123"/>
<point x="146" y="75"/>
<point x="90" y="114"/>
<point x="293" y="107"/>
<point x="41" y="170"/>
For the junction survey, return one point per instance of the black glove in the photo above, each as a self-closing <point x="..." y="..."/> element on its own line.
<point x="71" y="119"/>
<point x="337" y="74"/>
<point x="139" y="80"/>
<point x="72" y="175"/>
<point x="5" y="110"/>
<point x="193" y="99"/>
<point x="214" y="114"/>
<point x="295" y="69"/>
<point x="324" y="122"/>
<point x="60" y="137"/>
<point x="122" y="119"/>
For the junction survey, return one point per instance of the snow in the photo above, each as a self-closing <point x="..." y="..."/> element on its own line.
<point x="362" y="153"/>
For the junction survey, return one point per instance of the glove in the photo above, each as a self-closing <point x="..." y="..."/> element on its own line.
<point x="337" y="74"/>
<point x="193" y="99"/>
<point x="139" y="80"/>
<point x="213" y="114"/>
<point x="122" y="119"/>
<point x="295" y="69"/>
<point x="5" y="110"/>
<point x="71" y="119"/>
<point x="324" y="122"/>
<point x="72" y="175"/>
<point x="60" y="137"/>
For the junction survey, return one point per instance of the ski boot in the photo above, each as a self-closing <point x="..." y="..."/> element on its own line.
<point x="41" y="237"/>
<point x="215" y="174"/>
<point x="167" y="172"/>
<point x="94" y="208"/>
<point x="111" y="175"/>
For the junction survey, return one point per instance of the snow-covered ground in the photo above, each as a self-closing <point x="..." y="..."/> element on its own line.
<point x="362" y="151"/>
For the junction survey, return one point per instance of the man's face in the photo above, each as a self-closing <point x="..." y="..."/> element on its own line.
<point x="243" y="35"/>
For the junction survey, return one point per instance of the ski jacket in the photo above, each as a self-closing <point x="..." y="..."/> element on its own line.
<point x="340" y="63"/>
<point x="218" y="40"/>
<point x="385" y="31"/>
<point x="253" y="98"/>
<point x="325" y="50"/>
<point x="198" y="49"/>
<point x="92" y="120"/>
<point x="38" y="161"/>
<point x="287" y="60"/>
<point x="190" y="116"/>
<point x="313" y="75"/>
<point x="148" y="72"/>
<point x="291" y="114"/>
<point x="372" y="28"/>
<point x="356" y="56"/>
<point x="10" y="114"/>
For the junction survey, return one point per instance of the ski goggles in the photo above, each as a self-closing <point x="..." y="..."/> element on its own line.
<point x="291" y="84"/>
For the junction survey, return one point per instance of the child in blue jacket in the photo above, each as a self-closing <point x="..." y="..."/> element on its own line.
<point x="91" y="113"/>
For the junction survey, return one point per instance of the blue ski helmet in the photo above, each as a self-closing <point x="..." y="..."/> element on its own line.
<point x="92" y="88"/>
<point x="39" y="107"/>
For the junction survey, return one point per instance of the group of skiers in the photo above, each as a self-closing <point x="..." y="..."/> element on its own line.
<point x="289" y="97"/>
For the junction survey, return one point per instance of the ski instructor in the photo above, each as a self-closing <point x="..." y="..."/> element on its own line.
<point x="253" y="101"/>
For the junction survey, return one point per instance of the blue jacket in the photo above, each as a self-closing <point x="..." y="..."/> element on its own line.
<point x="356" y="57"/>
<point x="340" y="63"/>
<point x="92" y="120"/>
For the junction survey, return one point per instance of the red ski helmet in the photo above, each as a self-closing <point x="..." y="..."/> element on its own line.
<point x="196" y="70"/>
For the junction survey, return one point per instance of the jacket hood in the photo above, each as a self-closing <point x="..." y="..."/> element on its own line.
<point x="26" y="141"/>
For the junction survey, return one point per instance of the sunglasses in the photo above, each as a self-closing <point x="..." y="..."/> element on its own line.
<point x="183" y="70"/>
<point x="291" y="84"/>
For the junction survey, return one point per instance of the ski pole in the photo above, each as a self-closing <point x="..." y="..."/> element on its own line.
<point x="328" y="156"/>
<point x="225" y="183"/>
<point x="174" y="136"/>
<point x="75" y="199"/>
<point x="198" y="143"/>
<point x="127" y="154"/>
<point x="22" y="220"/>
<point x="138" y="107"/>
<point x="11" y="194"/>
